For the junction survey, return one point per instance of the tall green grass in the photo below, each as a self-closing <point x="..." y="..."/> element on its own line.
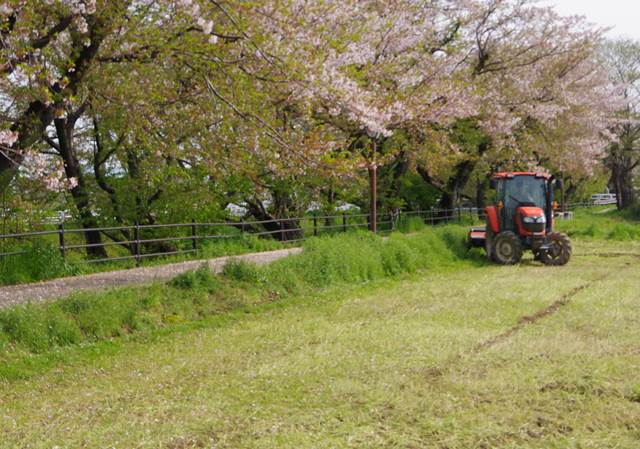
<point x="38" y="263"/>
<point x="325" y="262"/>
<point x="601" y="224"/>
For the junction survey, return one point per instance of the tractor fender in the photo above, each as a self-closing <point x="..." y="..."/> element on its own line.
<point x="492" y="218"/>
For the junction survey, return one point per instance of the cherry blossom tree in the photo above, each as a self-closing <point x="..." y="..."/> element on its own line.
<point x="546" y="102"/>
<point x="369" y="68"/>
<point x="622" y="59"/>
<point x="50" y="48"/>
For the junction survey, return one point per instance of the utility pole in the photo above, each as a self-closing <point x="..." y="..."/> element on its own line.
<point x="373" y="190"/>
<point x="562" y="199"/>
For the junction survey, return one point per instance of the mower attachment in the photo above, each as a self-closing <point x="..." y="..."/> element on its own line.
<point x="477" y="237"/>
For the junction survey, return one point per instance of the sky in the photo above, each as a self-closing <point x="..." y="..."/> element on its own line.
<point x="623" y="15"/>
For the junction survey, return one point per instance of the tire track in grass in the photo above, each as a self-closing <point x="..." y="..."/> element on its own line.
<point x="608" y="255"/>
<point x="527" y="320"/>
<point x="552" y="309"/>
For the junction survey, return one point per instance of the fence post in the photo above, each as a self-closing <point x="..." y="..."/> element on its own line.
<point x="194" y="237"/>
<point x="137" y="242"/>
<point x="344" y="222"/>
<point x="459" y="215"/>
<point x="315" y="225"/>
<point x="281" y="230"/>
<point x="433" y="222"/>
<point x="61" y="239"/>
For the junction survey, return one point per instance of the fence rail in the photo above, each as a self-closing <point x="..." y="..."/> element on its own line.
<point x="186" y="238"/>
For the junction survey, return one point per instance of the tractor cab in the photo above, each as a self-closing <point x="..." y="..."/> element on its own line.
<point x="524" y="203"/>
<point x="522" y="218"/>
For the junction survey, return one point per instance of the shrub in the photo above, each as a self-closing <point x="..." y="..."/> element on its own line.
<point x="200" y="278"/>
<point x="242" y="271"/>
<point x="410" y="224"/>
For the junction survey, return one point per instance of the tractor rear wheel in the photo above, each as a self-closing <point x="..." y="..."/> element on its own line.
<point x="560" y="251"/>
<point x="507" y="248"/>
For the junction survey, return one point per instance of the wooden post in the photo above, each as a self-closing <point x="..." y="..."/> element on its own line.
<point x="194" y="237"/>
<point x="61" y="239"/>
<point x="281" y="230"/>
<point x="315" y="225"/>
<point x="344" y="222"/>
<point x="137" y="243"/>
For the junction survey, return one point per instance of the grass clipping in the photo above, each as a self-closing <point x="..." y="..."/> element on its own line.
<point x="325" y="262"/>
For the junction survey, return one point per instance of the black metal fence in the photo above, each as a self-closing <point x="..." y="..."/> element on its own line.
<point x="141" y="242"/>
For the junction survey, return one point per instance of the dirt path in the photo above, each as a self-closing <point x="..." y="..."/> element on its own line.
<point x="57" y="288"/>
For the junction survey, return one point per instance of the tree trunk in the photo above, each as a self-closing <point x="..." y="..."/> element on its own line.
<point x="622" y="180"/>
<point x="331" y="210"/>
<point x="280" y="228"/>
<point x="8" y="170"/>
<point x="453" y="193"/>
<point x="80" y="193"/>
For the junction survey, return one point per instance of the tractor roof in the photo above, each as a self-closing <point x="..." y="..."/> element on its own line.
<point x="509" y="175"/>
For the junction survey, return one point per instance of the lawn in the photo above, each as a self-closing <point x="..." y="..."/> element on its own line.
<point x="469" y="357"/>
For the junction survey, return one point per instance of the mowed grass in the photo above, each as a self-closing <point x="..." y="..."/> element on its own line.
<point x="395" y="363"/>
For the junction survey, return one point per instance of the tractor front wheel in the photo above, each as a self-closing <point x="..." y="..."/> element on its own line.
<point x="507" y="248"/>
<point x="559" y="252"/>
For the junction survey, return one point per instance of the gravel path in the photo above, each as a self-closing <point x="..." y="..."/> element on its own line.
<point x="57" y="288"/>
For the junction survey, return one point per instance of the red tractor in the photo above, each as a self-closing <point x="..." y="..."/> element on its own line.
<point x="522" y="219"/>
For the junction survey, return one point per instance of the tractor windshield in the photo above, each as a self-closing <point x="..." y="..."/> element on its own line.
<point x="522" y="191"/>
<point x="526" y="190"/>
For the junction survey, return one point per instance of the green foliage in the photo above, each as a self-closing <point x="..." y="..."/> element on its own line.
<point x="39" y="262"/>
<point x="417" y="194"/>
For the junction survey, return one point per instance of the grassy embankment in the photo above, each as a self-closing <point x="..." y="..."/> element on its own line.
<point x="31" y="336"/>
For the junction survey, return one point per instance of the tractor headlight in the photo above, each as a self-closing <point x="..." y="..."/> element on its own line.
<point x="533" y="220"/>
